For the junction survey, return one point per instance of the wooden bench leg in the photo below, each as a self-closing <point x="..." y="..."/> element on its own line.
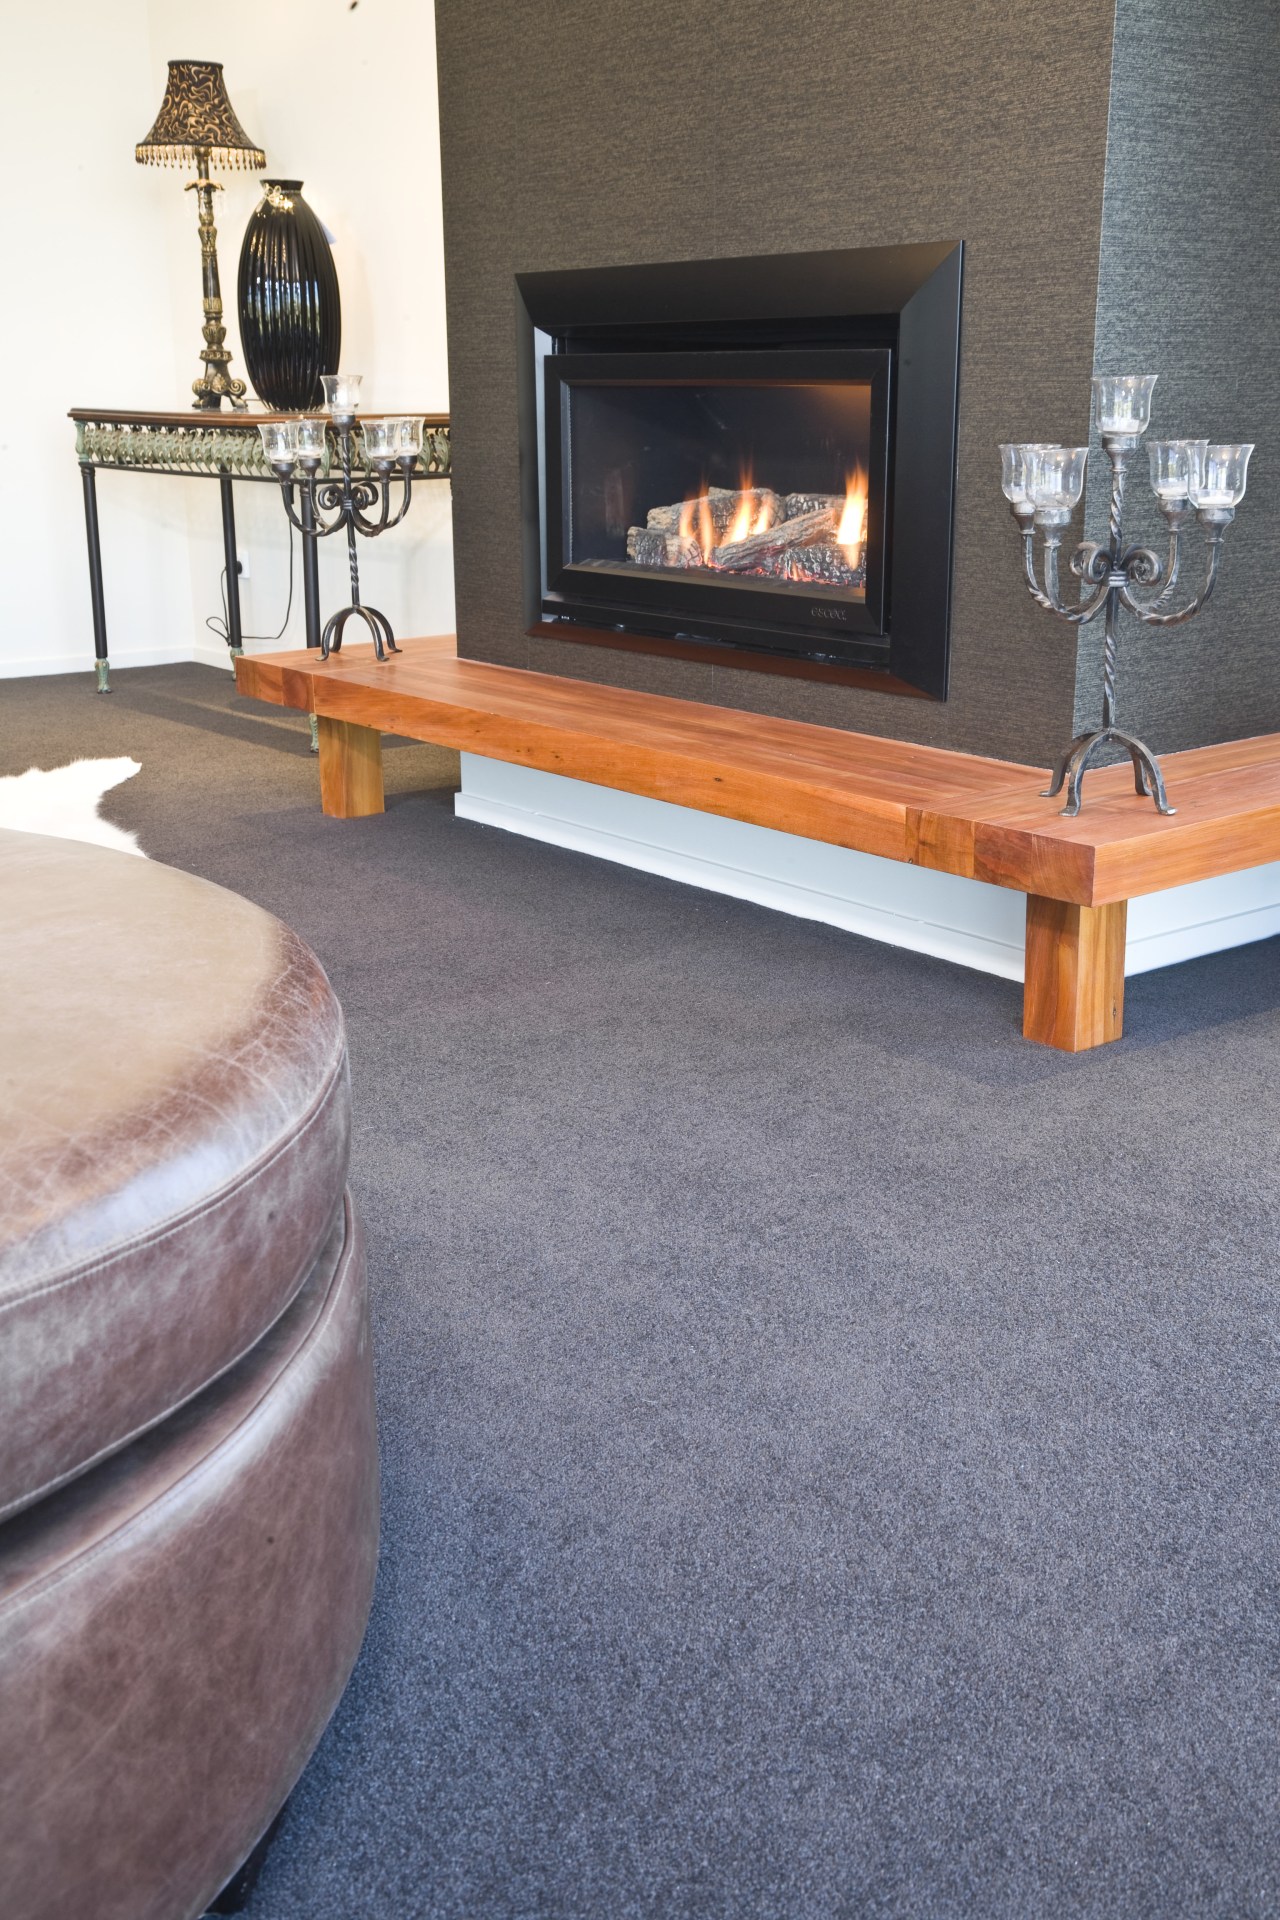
<point x="350" y="769"/>
<point x="1074" y="993"/>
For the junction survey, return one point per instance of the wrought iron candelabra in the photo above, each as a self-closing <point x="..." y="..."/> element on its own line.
<point x="296" y="451"/>
<point x="1191" y="480"/>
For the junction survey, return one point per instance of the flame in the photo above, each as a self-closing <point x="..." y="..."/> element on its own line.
<point x="740" y="526"/>
<point x="747" y="521"/>
<point x="697" y="525"/>
<point x="851" y="534"/>
<point x="706" y="529"/>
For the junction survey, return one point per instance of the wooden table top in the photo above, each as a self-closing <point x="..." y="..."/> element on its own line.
<point x="216" y="417"/>
<point x="954" y="812"/>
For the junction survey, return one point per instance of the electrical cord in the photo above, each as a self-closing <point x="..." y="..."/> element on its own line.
<point x="223" y="627"/>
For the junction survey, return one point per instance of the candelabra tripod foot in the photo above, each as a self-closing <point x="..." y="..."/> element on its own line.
<point x="384" y="640"/>
<point x="1070" y="770"/>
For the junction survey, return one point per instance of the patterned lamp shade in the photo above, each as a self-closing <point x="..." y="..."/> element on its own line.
<point x="197" y="117"/>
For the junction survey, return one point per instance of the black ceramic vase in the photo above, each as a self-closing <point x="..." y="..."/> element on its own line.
<point x="290" y="311"/>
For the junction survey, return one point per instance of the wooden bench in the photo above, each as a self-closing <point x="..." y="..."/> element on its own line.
<point x="954" y="812"/>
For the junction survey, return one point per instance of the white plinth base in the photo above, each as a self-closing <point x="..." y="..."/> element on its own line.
<point x="962" y="920"/>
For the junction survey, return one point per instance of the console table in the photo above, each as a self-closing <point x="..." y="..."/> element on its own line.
<point x="202" y="446"/>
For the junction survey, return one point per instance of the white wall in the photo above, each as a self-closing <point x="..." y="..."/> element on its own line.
<point x="102" y="305"/>
<point x="79" y="242"/>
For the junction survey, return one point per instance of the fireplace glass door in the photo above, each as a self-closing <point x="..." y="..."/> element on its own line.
<point x="738" y="495"/>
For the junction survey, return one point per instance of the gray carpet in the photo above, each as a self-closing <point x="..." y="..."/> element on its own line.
<point x="829" y="1445"/>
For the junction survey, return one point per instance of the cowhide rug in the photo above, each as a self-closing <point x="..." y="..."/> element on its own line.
<point x="64" y="801"/>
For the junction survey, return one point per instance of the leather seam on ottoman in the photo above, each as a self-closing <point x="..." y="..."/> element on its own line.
<point x="177" y="1223"/>
<point x="181" y="1488"/>
<point x="25" y="1500"/>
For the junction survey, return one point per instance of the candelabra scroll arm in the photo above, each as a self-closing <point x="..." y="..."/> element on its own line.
<point x="406" y="473"/>
<point x="325" y="499"/>
<point x="1091" y="564"/>
<point x="1052" y="544"/>
<point x="370" y="493"/>
<point x="1148" y="612"/>
<point x="288" y="480"/>
<point x="286" y="494"/>
<point x="1034" y="588"/>
<point x="1166" y="577"/>
<point x="329" y="497"/>
<point x="1096" y="568"/>
<point x="1141" y="567"/>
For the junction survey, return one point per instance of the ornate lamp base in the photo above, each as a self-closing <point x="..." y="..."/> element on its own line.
<point x="1147" y="777"/>
<point x="377" y="623"/>
<point x="216" y="384"/>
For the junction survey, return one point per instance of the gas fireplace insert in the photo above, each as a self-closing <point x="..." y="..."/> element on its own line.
<point x="750" y="461"/>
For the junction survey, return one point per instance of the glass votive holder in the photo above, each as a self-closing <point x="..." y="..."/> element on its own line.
<point x="341" y="392"/>
<point x="310" y="440"/>
<point x="278" y="441"/>
<point x="1016" y="457"/>
<point x="379" y="440"/>
<point x="1171" y="469"/>
<point x="1219" y="475"/>
<point x="408" y="438"/>
<point x="1122" y="402"/>
<point x="1056" y="481"/>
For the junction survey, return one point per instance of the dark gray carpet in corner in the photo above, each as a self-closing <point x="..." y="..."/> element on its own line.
<point x="829" y="1445"/>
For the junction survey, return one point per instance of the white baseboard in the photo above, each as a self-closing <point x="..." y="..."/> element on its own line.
<point x="966" y="921"/>
<point x="962" y="920"/>
<point x="212" y="653"/>
<point x="28" y="665"/>
<point x="1207" y="916"/>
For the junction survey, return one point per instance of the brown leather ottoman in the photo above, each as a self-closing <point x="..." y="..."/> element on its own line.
<point x="188" y="1457"/>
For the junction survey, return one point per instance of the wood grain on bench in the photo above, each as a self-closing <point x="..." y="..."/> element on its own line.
<point x="953" y="812"/>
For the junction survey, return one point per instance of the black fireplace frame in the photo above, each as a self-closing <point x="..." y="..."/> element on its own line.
<point x="903" y="301"/>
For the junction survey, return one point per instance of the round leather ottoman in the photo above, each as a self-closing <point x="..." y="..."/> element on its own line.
<point x="188" y="1455"/>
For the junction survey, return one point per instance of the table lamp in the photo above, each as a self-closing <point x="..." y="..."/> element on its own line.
<point x="196" y="126"/>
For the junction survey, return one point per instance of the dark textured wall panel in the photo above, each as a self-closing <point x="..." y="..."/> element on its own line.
<point x="1189" y="288"/>
<point x="578" y="133"/>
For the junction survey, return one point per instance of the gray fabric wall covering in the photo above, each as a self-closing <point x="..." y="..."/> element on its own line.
<point x="580" y="134"/>
<point x="1189" y="288"/>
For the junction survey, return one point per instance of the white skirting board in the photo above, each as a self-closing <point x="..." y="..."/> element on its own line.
<point x="212" y="652"/>
<point x="962" y="920"/>
<point x="26" y="666"/>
